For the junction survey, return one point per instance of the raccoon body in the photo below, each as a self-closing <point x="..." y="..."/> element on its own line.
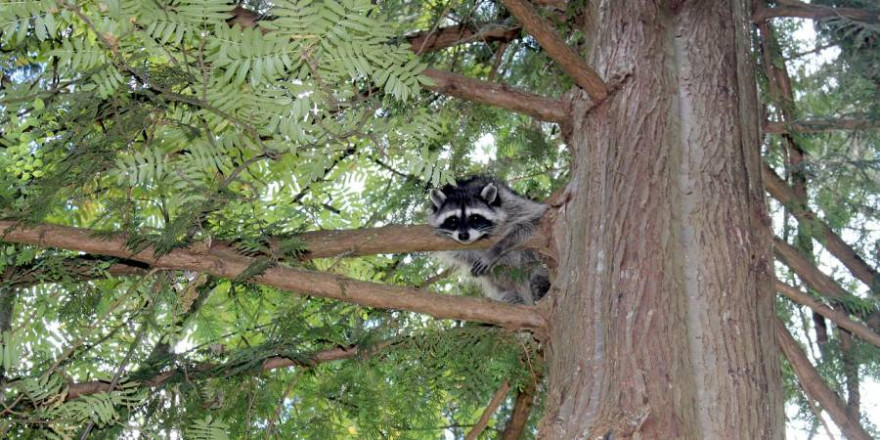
<point x="480" y="207"/>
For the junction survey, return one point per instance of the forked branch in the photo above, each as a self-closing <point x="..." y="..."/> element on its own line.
<point x="569" y="60"/>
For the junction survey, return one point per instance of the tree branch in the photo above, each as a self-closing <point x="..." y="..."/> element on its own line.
<point x="569" y="60"/>
<point x="850" y="361"/>
<point x="840" y="318"/>
<point x="808" y="272"/>
<point x="522" y="407"/>
<point x="81" y="268"/>
<point x="561" y="5"/>
<point x="829" y="239"/>
<point x="815" y="387"/>
<point x="454" y="35"/>
<point x="821" y="125"/>
<point x="392" y="239"/>
<point x="496" y="94"/>
<point x="817" y="280"/>
<point x="273" y="363"/>
<point x="487" y="413"/>
<point x="792" y="8"/>
<point x="226" y="264"/>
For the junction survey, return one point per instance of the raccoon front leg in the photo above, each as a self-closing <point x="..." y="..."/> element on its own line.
<point x="518" y="235"/>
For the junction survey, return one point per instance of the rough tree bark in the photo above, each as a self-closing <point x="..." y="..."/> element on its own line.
<point x="662" y="325"/>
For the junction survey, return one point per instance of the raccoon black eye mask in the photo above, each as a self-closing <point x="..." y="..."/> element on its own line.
<point x="480" y="207"/>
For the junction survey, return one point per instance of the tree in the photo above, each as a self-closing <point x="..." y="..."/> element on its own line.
<point x="202" y="204"/>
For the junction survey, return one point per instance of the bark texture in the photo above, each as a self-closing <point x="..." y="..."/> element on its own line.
<point x="663" y="323"/>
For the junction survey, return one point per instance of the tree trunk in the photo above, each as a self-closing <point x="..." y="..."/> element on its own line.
<point x="662" y="325"/>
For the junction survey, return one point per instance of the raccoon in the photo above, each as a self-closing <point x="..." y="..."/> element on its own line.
<point x="479" y="207"/>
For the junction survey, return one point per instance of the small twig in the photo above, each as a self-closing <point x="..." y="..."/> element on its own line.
<point x="499" y="57"/>
<point x="443" y="274"/>
<point x="812" y="51"/>
<point x="817" y="412"/>
<point x="134" y="345"/>
<point x="277" y="412"/>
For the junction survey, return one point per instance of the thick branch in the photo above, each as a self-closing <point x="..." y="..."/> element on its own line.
<point x="821" y="125"/>
<point x="319" y="244"/>
<point x="499" y="95"/>
<point x="394" y="239"/>
<point x="454" y="35"/>
<point x="799" y="9"/>
<point x="273" y="363"/>
<point x="568" y="59"/>
<point x="840" y="318"/>
<point x="201" y="258"/>
<point x="487" y="413"/>
<point x="835" y="245"/>
<point x="815" y="387"/>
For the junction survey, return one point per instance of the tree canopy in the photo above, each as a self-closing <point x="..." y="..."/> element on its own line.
<point x="173" y="173"/>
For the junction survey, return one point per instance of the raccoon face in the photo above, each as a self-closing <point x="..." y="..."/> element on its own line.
<point x="465" y="217"/>
<point x="464" y="225"/>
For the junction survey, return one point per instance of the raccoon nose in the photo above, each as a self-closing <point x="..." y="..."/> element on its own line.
<point x="463" y="236"/>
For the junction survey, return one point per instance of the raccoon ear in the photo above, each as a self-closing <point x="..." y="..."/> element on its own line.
<point x="489" y="193"/>
<point x="437" y="198"/>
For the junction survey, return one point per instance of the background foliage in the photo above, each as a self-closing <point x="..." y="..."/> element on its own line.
<point x="162" y="120"/>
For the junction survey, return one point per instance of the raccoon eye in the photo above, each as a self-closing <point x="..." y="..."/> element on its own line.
<point x="450" y="223"/>
<point x="476" y="218"/>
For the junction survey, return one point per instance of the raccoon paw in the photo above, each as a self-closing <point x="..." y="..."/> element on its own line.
<point x="481" y="267"/>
